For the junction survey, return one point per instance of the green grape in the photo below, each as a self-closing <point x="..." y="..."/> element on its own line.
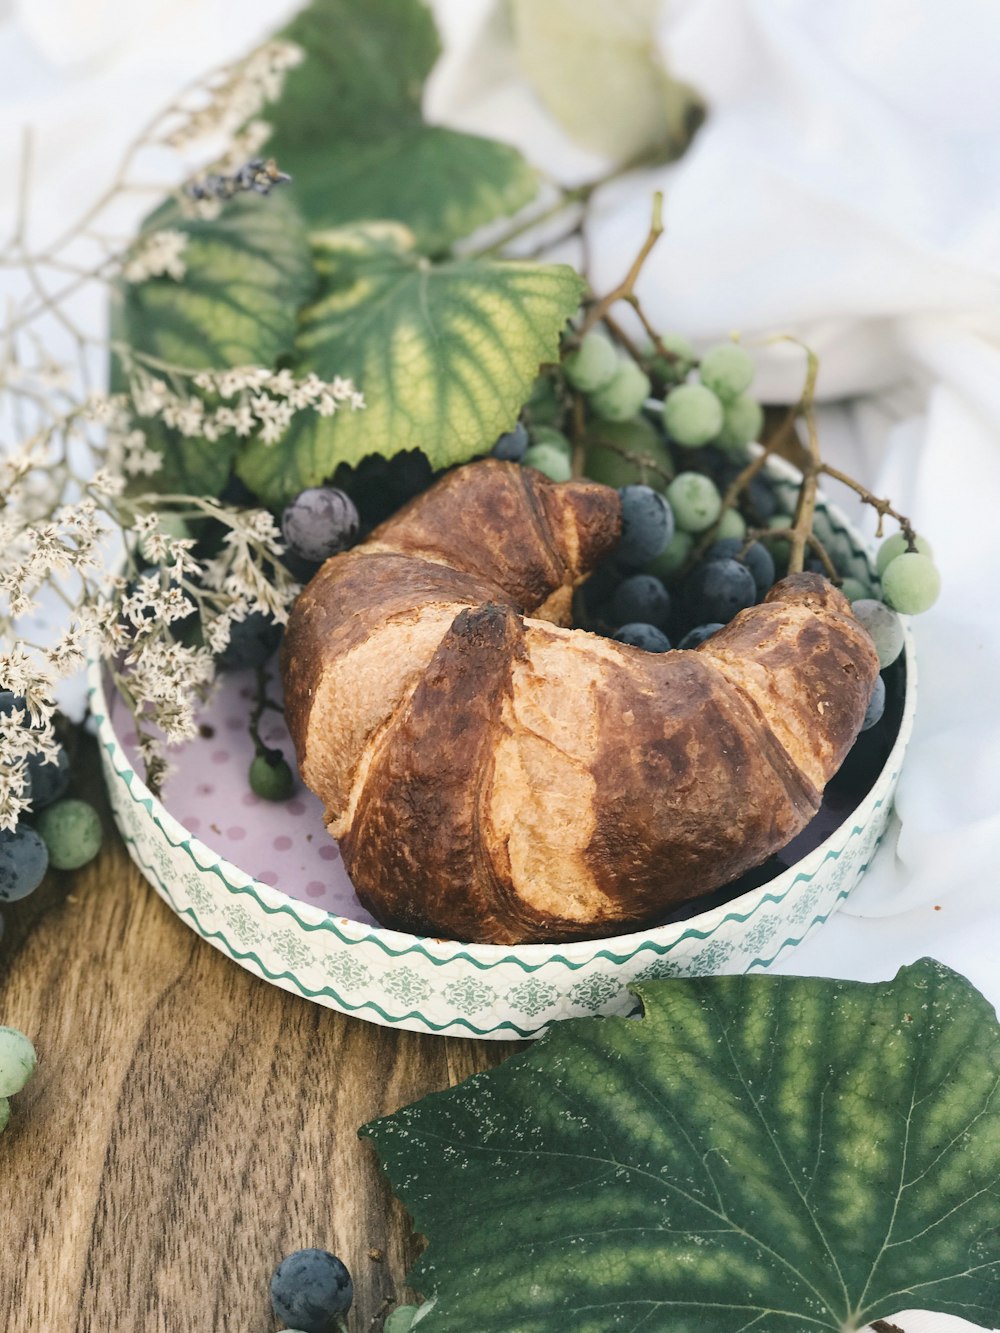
<point x="4" y="1113"/>
<point x="742" y="423"/>
<point x="726" y="370"/>
<point x="624" y="394"/>
<point x="911" y="583"/>
<point x="692" y="415"/>
<point x="731" y="524"/>
<point x="592" y="364"/>
<point x="637" y="437"/>
<point x="779" y="547"/>
<point x="71" y="831"/>
<point x="543" y="407"/>
<point x="548" y="435"/>
<point x="549" y="460"/>
<point x="17" y="1061"/>
<point x="270" y="777"/>
<point x="854" y="590"/>
<point x="401" y="1319"/>
<point x="695" y="501"/>
<point x="673" y="557"/>
<point x="885" y="628"/>
<point x="671" y="372"/>
<point x="896" y="545"/>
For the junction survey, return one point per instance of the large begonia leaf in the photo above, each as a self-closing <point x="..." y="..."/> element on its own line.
<point x="445" y="354"/>
<point x="349" y="129"/>
<point x="780" y="1154"/>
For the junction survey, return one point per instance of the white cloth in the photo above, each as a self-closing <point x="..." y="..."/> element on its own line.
<point x="846" y="188"/>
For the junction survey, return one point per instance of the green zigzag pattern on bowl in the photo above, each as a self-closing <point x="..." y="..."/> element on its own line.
<point x="340" y="1002"/>
<point x="596" y="991"/>
<point x="328" y="924"/>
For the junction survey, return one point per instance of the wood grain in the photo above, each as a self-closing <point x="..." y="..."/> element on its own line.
<point x="188" y="1124"/>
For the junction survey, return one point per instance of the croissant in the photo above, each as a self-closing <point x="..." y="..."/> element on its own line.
<point x="493" y="775"/>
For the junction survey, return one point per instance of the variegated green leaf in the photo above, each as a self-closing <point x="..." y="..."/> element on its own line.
<point x="445" y="354"/>
<point x="246" y="274"/>
<point x="349" y="129"/>
<point x="777" y="1154"/>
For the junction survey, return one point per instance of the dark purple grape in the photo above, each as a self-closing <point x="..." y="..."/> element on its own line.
<point x="512" y="444"/>
<point x="876" y="705"/>
<point x="698" y="635"/>
<point x="642" y="636"/>
<point x="647" y="525"/>
<point x="761" y="498"/>
<point x="310" y="1290"/>
<point x="717" y="589"/>
<point x="251" y="642"/>
<point x="23" y="862"/>
<point x="319" y="522"/>
<point x="757" y="558"/>
<point x="301" y="570"/>
<point x="641" y="597"/>
<point x="48" y="780"/>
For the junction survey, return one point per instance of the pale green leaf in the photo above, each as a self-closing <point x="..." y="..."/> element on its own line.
<point x="445" y="354"/>
<point x="247" y="273"/>
<point x="596" y="66"/>
<point x="780" y="1154"/>
<point x="349" y="129"/>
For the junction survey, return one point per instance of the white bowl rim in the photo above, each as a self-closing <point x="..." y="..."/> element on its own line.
<point x="530" y="957"/>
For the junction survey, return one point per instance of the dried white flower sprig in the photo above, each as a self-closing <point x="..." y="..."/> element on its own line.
<point x="132" y="617"/>
<point x="256" y="401"/>
<point x="153" y="583"/>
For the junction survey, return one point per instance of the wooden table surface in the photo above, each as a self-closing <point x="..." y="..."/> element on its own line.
<point x="188" y="1124"/>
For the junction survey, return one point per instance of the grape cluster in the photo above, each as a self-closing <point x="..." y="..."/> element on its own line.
<point x="17" y="1064"/>
<point x="686" y="565"/>
<point x="62" y="832"/>
<point x="717" y="409"/>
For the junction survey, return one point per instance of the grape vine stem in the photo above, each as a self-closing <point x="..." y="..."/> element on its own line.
<point x="882" y="507"/>
<point x="625" y="291"/>
<point x="805" y="507"/>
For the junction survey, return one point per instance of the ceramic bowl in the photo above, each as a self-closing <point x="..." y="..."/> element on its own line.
<point x="288" y="926"/>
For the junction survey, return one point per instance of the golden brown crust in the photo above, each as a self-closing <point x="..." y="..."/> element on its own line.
<point x="493" y="776"/>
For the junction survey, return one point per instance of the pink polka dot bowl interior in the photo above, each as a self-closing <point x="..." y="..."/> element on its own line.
<point x="263" y="881"/>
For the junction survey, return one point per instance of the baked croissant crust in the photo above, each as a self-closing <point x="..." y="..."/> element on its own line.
<point x="493" y="775"/>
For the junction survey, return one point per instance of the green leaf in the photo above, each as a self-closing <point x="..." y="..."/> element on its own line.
<point x="247" y="273"/>
<point x="445" y="354"/>
<point x="569" y="48"/>
<point x="780" y="1154"/>
<point x="349" y="129"/>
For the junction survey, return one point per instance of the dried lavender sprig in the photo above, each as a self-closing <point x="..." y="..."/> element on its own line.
<point x="260" y="175"/>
